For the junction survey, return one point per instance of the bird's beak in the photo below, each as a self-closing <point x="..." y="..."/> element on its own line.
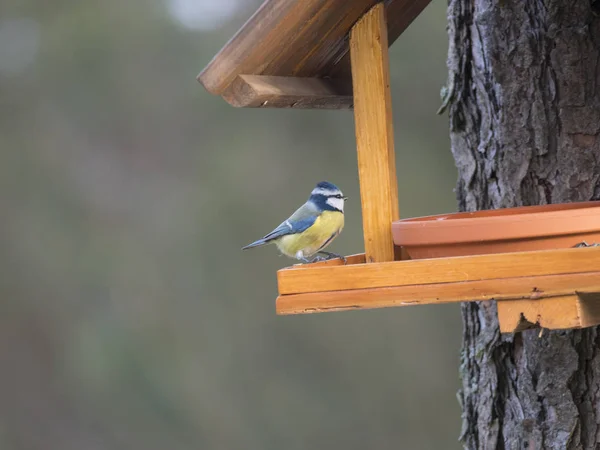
<point x="345" y="198"/>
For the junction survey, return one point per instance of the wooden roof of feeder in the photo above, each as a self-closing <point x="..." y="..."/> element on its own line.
<point x="295" y="53"/>
<point x="334" y="54"/>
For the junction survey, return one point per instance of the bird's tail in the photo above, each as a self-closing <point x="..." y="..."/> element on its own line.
<point x="256" y="244"/>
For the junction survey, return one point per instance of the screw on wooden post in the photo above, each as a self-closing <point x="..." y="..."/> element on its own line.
<point x="374" y="133"/>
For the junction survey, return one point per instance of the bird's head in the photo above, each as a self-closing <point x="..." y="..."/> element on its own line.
<point x="327" y="196"/>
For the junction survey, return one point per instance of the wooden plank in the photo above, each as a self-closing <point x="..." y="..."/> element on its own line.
<point x="263" y="91"/>
<point x="374" y="133"/>
<point x="286" y="38"/>
<point x="506" y="289"/>
<point x="555" y="313"/>
<point x="438" y="270"/>
<point x="578" y="310"/>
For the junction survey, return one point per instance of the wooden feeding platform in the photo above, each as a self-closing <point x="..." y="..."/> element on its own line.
<point x="550" y="288"/>
<point x="334" y="54"/>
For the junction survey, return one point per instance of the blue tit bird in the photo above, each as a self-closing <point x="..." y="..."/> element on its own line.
<point x="312" y="227"/>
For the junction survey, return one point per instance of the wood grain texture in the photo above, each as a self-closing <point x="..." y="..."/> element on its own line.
<point x="554" y="313"/>
<point x="576" y="310"/>
<point x="263" y="91"/>
<point x="299" y="38"/>
<point x="399" y="15"/>
<point x="286" y="38"/>
<point x="374" y="133"/>
<point x="531" y="289"/>
<point x="438" y="270"/>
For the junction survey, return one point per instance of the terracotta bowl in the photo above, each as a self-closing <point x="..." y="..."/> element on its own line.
<point x="518" y="229"/>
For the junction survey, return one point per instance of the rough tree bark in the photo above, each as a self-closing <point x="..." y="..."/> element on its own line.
<point x="524" y="107"/>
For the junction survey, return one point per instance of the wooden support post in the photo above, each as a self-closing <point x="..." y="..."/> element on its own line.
<point x="374" y="133"/>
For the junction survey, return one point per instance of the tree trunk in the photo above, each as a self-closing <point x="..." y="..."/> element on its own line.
<point x="524" y="107"/>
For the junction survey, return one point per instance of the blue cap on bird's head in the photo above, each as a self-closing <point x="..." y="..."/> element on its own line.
<point x="326" y="194"/>
<point x="326" y="185"/>
<point x="327" y="189"/>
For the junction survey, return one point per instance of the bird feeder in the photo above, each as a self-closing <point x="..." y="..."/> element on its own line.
<point x="333" y="54"/>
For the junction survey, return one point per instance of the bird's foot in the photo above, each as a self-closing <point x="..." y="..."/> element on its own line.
<point x="318" y="259"/>
<point x="313" y="260"/>
<point x="334" y="255"/>
<point x="585" y="244"/>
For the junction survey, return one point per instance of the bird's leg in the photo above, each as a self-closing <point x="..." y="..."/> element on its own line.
<point x="334" y="255"/>
<point x="304" y="260"/>
<point x="585" y="244"/>
<point x="318" y="259"/>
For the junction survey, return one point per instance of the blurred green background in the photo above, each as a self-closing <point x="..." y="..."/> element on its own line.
<point x="130" y="317"/>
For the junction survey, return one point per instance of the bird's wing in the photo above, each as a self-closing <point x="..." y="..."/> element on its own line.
<point x="301" y="220"/>
<point x="289" y="227"/>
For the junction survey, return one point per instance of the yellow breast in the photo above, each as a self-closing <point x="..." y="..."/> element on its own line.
<point x="327" y="226"/>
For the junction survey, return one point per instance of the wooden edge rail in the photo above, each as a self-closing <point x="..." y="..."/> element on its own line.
<point x="532" y="288"/>
<point x="262" y="91"/>
<point x="319" y="279"/>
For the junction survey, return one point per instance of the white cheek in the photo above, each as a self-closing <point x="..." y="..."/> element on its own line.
<point x="337" y="203"/>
